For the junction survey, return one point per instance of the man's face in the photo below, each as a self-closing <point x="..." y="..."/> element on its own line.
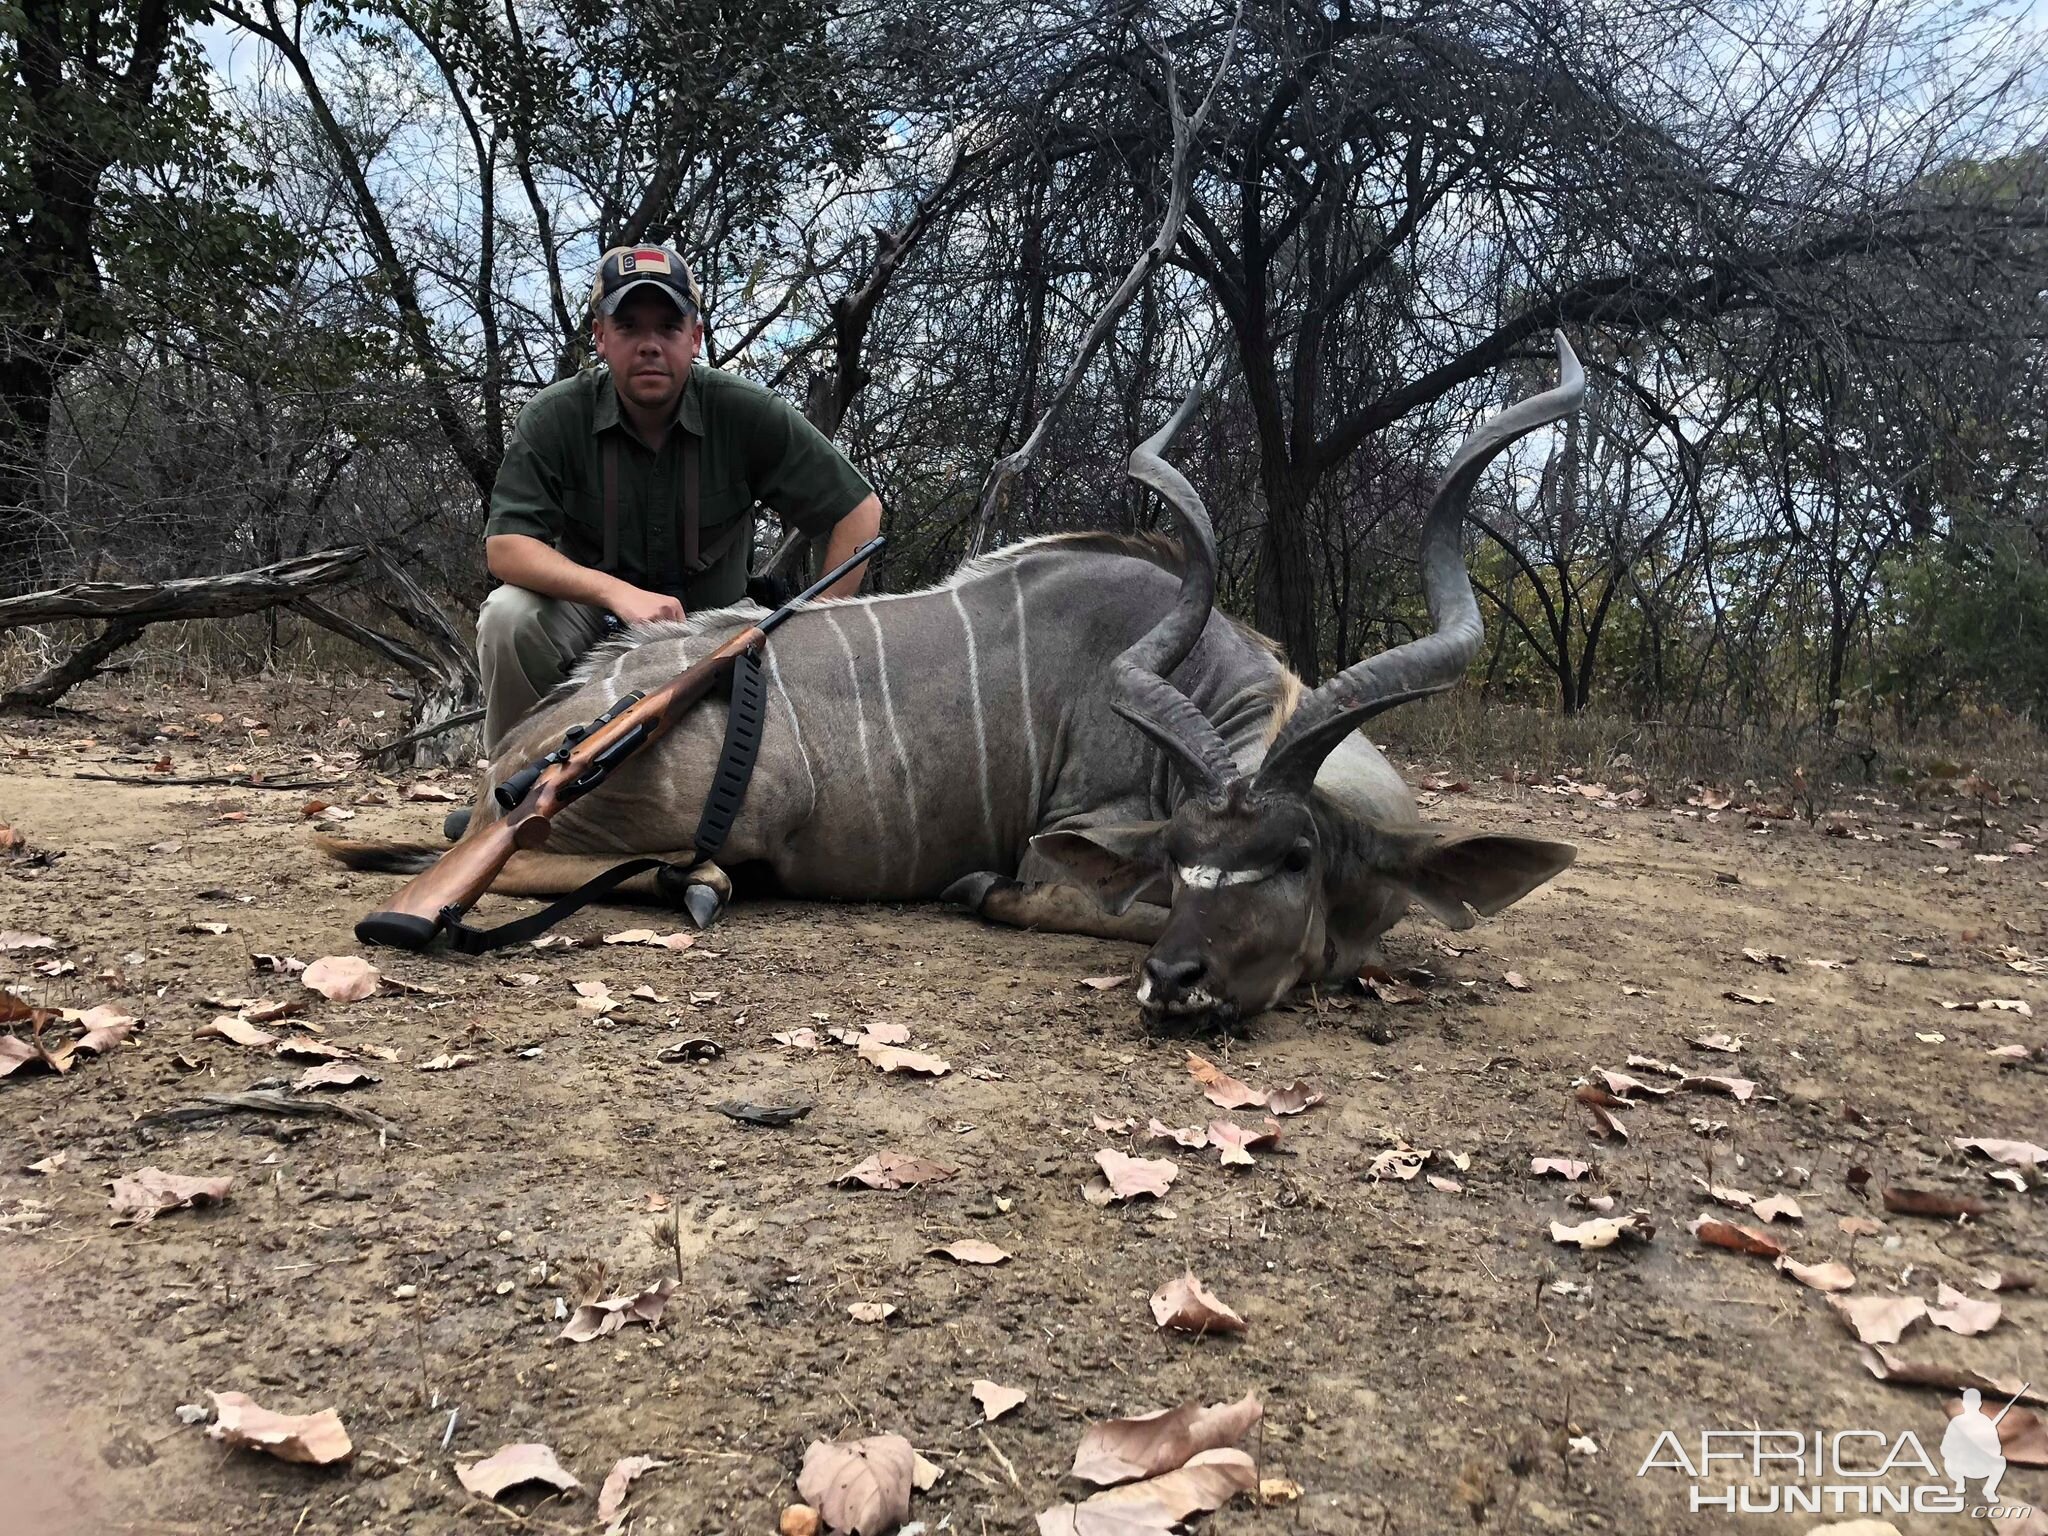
<point x="649" y="347"/>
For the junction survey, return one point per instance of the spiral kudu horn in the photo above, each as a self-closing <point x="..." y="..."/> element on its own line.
<point x="1143" y="695"/>
<point x="1434" y="661"/>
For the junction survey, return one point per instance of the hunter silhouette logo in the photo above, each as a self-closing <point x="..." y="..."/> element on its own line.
<point x="1970" y="1448"/>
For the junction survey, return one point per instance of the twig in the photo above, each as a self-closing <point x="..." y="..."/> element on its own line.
<point x="217" y="780"/>
<point x="1002" y="1460"/>
<point x="215" y="1106"/>
<point x="465" y="717"/>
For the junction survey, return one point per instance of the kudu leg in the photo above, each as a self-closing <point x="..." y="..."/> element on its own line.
<point x="1052" y="908"/>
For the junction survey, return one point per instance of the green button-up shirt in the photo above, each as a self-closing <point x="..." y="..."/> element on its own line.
<point x="755" y="447"/>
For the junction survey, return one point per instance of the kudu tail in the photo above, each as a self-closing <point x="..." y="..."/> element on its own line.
<point x="379" y="854"/>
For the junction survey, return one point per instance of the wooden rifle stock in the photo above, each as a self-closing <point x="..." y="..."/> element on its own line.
<point x="428" y="903"/>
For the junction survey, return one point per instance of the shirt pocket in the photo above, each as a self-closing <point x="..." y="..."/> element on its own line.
<point x="718" y="508"/>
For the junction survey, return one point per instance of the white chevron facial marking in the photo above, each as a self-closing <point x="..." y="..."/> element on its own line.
<point x="1207" y="877"/>
<point x="988" y="810"/>
<point x="907" y="779"/>
<point x="1024" y="690"/>
<point x="860" y="727"/>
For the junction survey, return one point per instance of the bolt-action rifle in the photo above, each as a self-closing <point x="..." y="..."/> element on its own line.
<point x="434" y="901"/>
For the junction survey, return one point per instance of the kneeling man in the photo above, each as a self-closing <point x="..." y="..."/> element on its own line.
<point x="629" y="490"/>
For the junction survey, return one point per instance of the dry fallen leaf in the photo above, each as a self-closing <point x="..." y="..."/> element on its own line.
<point x="1129" y="1177"/>
<point x="1779" y="1205"/>
<point x="1294" y="1098"/>
<point x="860" y="1487"/>
<point x="1605" y="1231"/>
<point x="1959" y="1314"/>
<point x="881" y="1030"/>
<point x="1886" y="1366"/>
<point x="448" y="1063"/>
<point x="1562" y="1167"/>
<point x="1879" y="1319"/>
<point x="1402" y="1162"/>
<point x="1859" y="1226"/>
<point x="1189" y="1305"/>
<point x="1754" y="999"/>
<point x="1718" y="1042"/>
<point x="138" y="1197"/>
<point x="2017" y="1154"/>
<point x="1208" y="1481"/>
<point x="1105" y="983"/>
<point x="1221" y="1089"/>
<point x="238" y="1030"/>
<point x="1736" y="1237"/>
<point x="997" y="1400"/>
<point x="612" y="1497"/>
<point x="971" y="1250"/>
<point x="804" y="1039"/>
<point x="2003" y="1280"/>
<point x="315" y="1438"/>
<point x="595" y="1319"/>
<point x="1108" y="1127"/>
<point x="1929" y="1202"/>
<point x="1122" y="1450"/>
<point x="894" y="1170"/>
<point x="341" y="978"/>
<point x="871" y="1311"/>
<point x="1515" y="980"/>
<point x="1622" y="1086"/>
<point x="892" y="1058"/>
<point x="1738" y="1088"/>
<point x="56" y="1160"/>
<point x="1600" y="1105"/>
<point x="1193" y="1137"/>
<point x="1237" y="1142"/>
<point x="1831" y="1276"/>
<point x="333" y="1074"/>
<point x="512" y="1465"/>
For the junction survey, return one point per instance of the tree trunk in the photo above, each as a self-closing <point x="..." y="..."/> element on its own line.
<point x="1284" y="586"/>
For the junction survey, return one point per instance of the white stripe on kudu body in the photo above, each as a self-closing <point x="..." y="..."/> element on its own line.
<point x="988" y="808"/>
<point x="1024" y="692"/>
<point x="860" y="728"/>
<point x="796" y="731"/>
<point x="903" y="767"/>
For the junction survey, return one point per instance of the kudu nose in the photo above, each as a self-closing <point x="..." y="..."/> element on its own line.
<point x="1171" y="978"/>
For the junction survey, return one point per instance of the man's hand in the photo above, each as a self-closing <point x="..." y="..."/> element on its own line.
<point x="634" y="606"/>
<point x="526" y="562"/>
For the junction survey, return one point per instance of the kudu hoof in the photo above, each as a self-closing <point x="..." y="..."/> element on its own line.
<point x="970" y="891"/>
<point x="703" y="904"/>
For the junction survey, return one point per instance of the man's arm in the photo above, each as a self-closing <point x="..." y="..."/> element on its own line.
<point x="860" y="524"/>
<point x="522" y="561"/>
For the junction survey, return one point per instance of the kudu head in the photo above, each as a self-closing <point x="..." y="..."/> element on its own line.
<point x="1269" y="881"/>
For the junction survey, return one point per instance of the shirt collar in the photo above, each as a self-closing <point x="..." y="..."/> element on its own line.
<point x="689" y="409"/>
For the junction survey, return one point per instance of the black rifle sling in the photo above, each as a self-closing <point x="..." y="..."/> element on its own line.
<point x="745" y="714"/>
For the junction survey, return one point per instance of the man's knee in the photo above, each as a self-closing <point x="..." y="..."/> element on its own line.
<point x="510" y="620"/>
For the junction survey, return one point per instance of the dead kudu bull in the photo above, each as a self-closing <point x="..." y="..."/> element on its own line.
<point x="974" y="743"/>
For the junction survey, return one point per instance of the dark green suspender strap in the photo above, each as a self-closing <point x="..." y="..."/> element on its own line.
<point x="695" y="561"/>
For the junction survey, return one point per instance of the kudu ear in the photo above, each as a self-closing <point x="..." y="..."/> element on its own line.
<point x="1116" y="865"/>
<point x="1453" y="877"/>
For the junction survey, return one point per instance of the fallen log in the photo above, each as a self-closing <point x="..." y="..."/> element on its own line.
<point x="129" y="607"/>
<point x="191" y="597"/>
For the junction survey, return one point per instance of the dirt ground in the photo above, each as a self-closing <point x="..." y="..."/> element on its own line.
<point x="1426" y="1356"/>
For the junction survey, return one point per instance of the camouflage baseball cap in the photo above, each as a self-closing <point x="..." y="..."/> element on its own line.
<point x="627" y="267"/>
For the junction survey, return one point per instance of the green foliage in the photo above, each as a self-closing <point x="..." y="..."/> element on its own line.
<point x="1964" y="626"/>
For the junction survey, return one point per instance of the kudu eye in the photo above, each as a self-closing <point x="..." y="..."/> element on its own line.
<point x="1297" y="859"/>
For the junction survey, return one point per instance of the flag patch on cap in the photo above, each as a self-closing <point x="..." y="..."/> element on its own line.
<point x="647" y="259"/>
